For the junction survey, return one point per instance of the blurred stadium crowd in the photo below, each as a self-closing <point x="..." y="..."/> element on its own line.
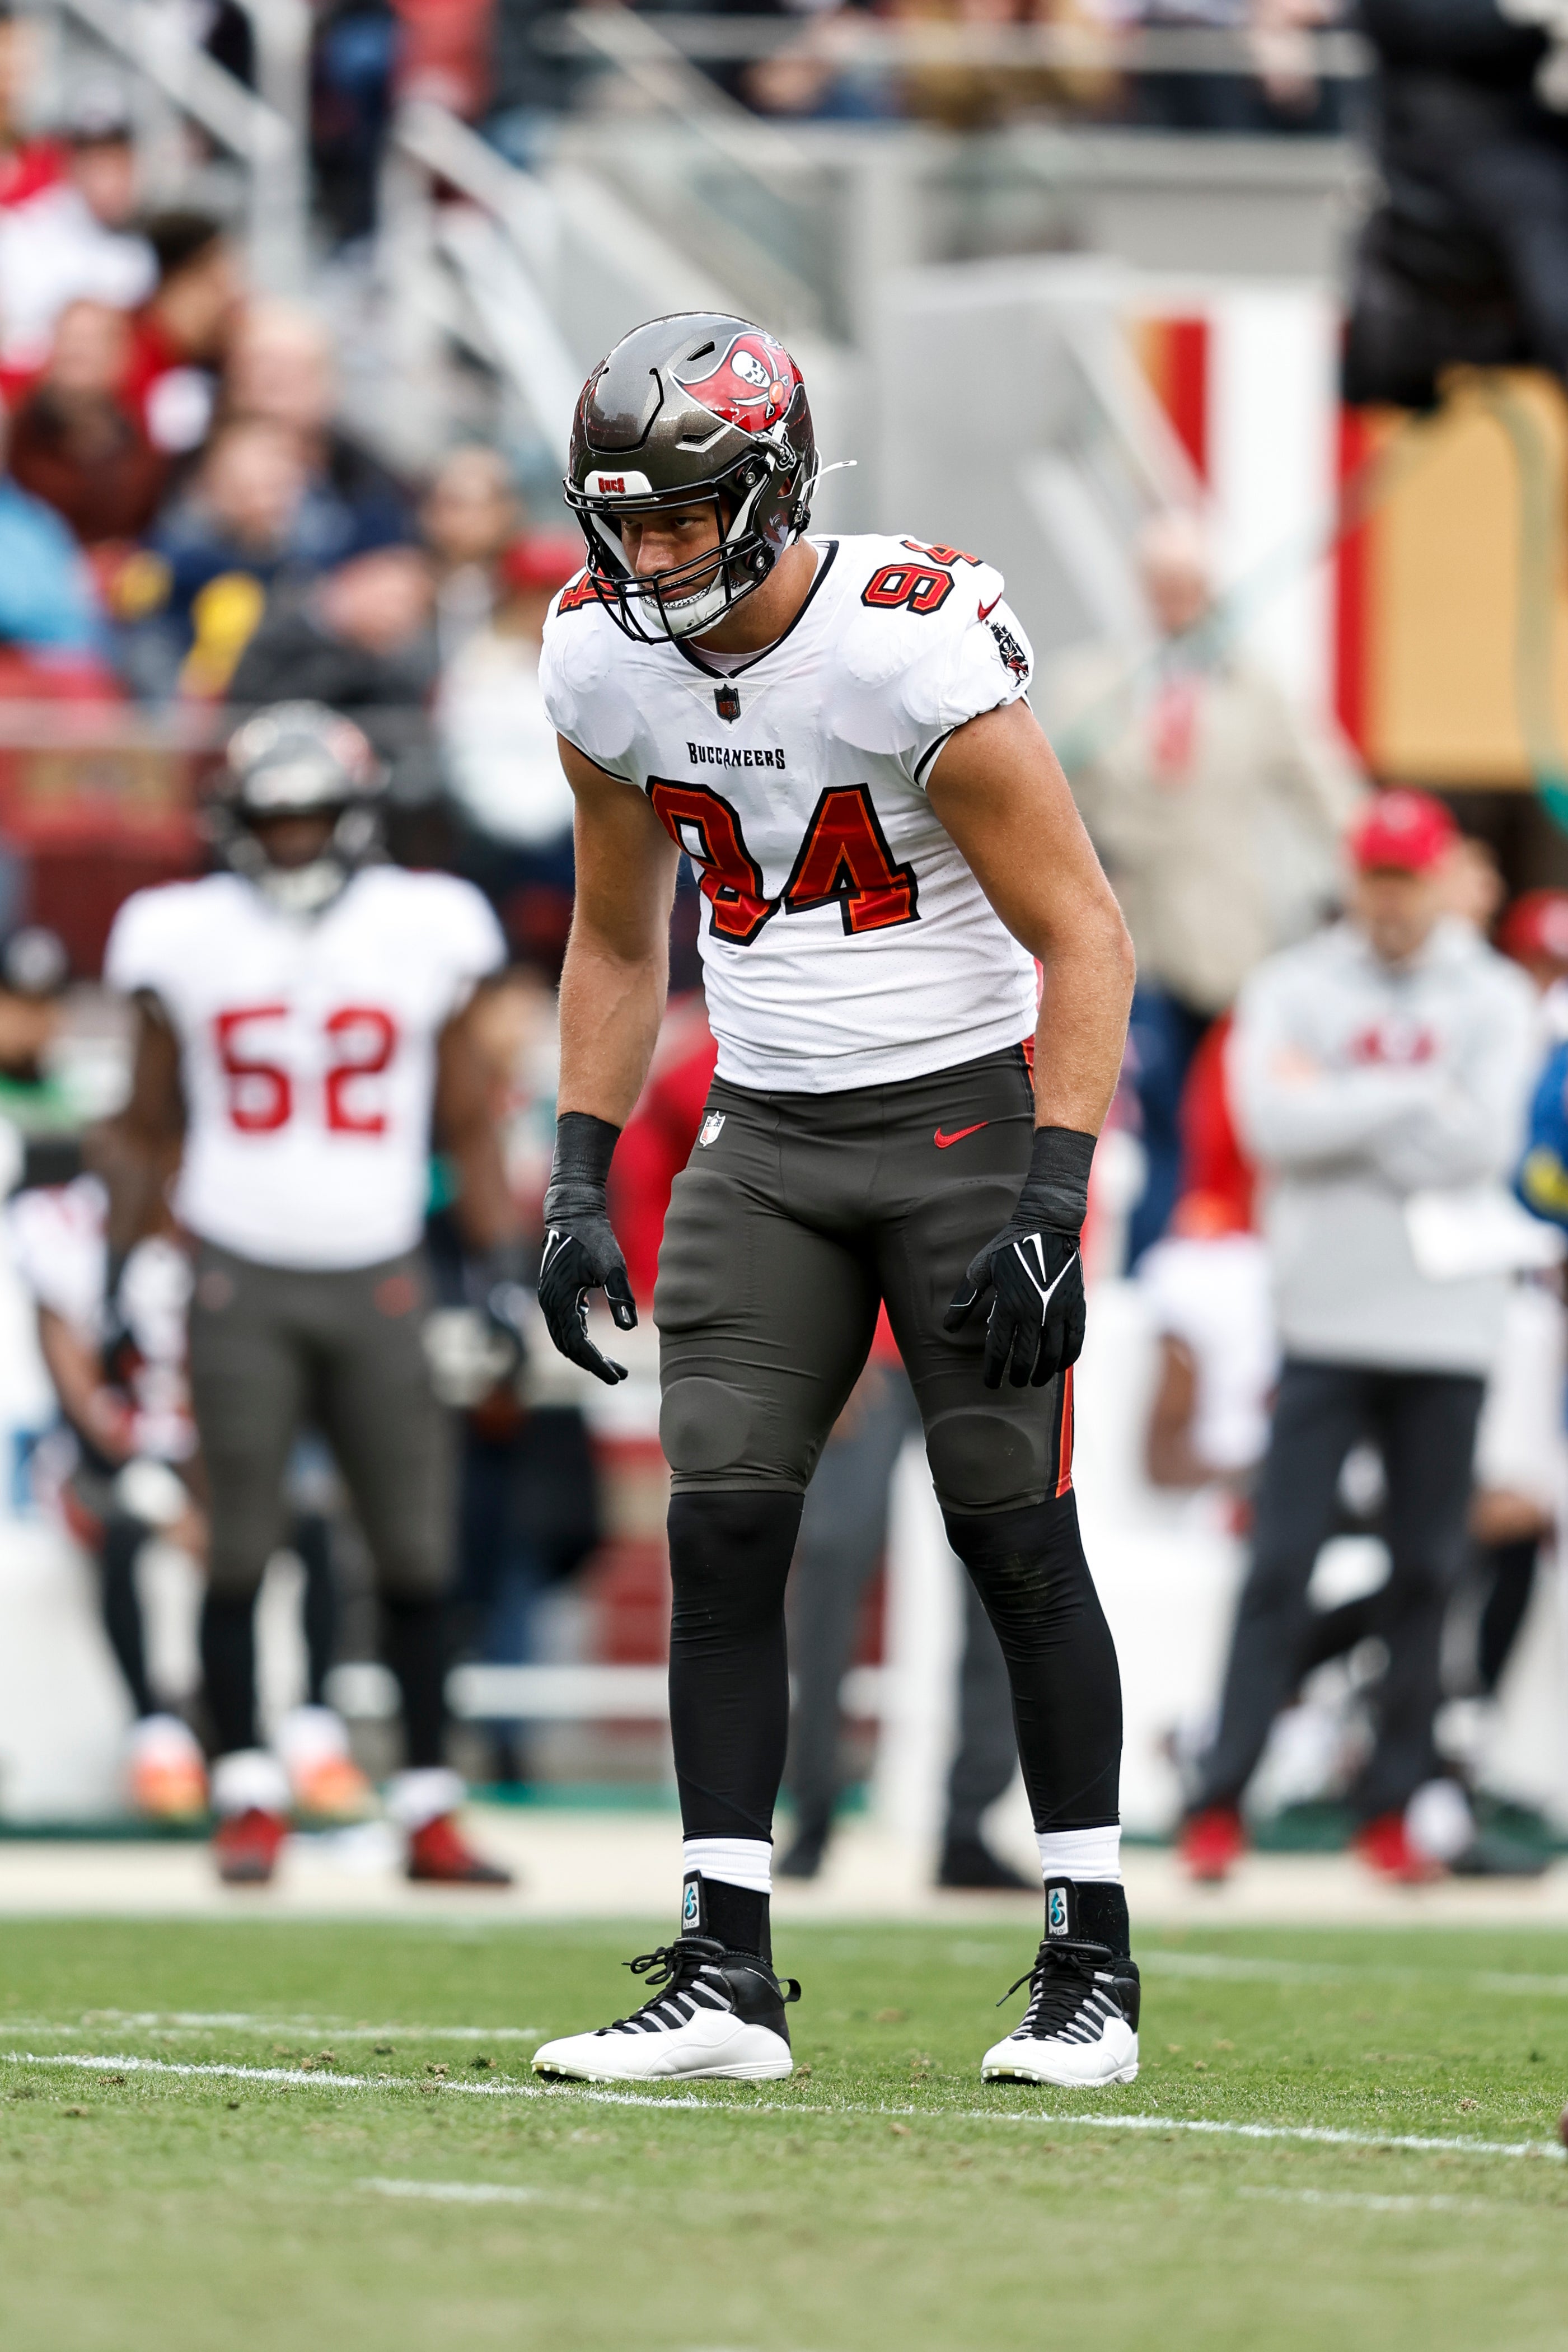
<point x="1342" y="1208"/>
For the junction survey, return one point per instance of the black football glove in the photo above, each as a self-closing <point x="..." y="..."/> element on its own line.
<point x="502" y="1287"/>
<point x="479" y="1343"/>
<point x="1031" y="1272"/>
<point x="581" y="1252"/>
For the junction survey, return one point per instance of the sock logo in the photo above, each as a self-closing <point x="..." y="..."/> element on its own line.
<point x="691" y="1908"/>
<point x="1056" y="1911"/>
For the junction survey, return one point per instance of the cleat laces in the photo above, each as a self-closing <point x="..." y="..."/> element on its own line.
<point x="683" y="1976"/>
<point x="1070" y="1999"/>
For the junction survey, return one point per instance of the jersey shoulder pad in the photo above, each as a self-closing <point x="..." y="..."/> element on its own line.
<point x="912" y="600"/>
<point x="153" y="927"/>
<point x="449" y="917"/>
<point x="585" y="675"/>
<point x="927" y="642"/>
<point x="579" y="595"/>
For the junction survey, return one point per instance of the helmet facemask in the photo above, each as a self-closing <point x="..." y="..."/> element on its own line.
<point x="309" y="889"/>
<point x="688" y="597"/>
<point x="299" y="760"/>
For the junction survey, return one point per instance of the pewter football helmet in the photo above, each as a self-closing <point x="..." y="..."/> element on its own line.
<point x="684" y="410"/>
<point x="300" y="759"/>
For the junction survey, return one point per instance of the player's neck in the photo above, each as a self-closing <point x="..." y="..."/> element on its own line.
<point x="761" y="619"/>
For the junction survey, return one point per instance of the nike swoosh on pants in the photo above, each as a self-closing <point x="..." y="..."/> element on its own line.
<point x="942" y="1141"/>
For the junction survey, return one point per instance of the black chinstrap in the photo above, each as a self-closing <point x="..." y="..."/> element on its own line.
<point x="734" y="567"/>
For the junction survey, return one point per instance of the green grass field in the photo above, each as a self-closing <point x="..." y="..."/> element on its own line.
<point x="401" y="2182"/>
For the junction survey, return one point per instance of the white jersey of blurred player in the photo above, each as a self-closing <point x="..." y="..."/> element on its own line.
<point x="58" y="1236"/>
<point x="307" y="1052"/>
<point x="837" y="899"/>
<point x="301" y="1023"/>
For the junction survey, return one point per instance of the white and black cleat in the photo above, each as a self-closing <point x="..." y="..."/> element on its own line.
<point x="1080" y="2031"/>
<point x="717" y="2015"/>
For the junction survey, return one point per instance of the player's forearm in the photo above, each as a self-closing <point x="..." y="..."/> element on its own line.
<point x="610" y="1008"/>
<point x="77" y="1375"/>
<point x="997" y="789"/>
<point x="137" y="1182"/>
<point x="142" y="1146"/>
<point x="485" y="1211"/>
<point x="1083" y="1028"/>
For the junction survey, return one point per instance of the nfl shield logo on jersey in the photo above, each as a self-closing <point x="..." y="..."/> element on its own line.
<point x="711" y="1126"/>
<point x="726" y="700"/>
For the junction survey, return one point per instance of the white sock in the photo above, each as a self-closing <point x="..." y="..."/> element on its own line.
<point x="1091" y="1856"/>
<point x="739" y="1861"/>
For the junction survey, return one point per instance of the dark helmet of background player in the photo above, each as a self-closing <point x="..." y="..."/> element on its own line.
<point x="298" y="760"/>
<point x="685" y="409"/>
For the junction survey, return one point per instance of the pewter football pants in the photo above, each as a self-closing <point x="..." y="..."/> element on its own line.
<point x="273" y="1348"/>
<point x="792" y="1223"/>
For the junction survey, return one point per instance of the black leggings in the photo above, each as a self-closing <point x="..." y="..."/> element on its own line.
<point x="796" y="1216"/>
<point x="1425" y="1425"/>
<point x="730" y="1677"/>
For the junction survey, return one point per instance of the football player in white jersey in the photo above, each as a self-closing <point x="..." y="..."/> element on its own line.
<point x="835" y="731"/>
<point x="300" y="1018"/>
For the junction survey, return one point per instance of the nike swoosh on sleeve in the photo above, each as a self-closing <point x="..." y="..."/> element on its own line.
<point x="984" y="611"/>
<point x="942" y="1141"/>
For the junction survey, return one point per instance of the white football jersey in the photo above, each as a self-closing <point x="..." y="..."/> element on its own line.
<point x="846" y="942"/>
<point x="59" y="1246"/>
<point x="307" y="1052"/>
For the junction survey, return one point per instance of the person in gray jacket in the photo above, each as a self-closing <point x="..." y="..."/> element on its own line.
<point x="1378" y="1073"/>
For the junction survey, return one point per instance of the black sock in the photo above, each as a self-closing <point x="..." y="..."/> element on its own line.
<point x="414" y="1638"/>
<point x="313" y="1546"/>
<point x="123" y="1540"/>
<point x="1104" y="1911"/>
<point x="1512" y="1567"/>
<point x="229" y="1670"/>
<point x="733" y="1916"/>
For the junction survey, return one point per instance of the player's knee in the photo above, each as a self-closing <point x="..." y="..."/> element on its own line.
<point x="705" y="1425"/>
<point x="986" y="1460"/>
<point x="1028" y="1565"/>
<point x="418" y="1572"/>
<point x="234" y="1570"/>
<point x="729" y="1557"/>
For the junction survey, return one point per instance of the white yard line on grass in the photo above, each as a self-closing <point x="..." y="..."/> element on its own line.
<point x="459" y="2192"/>
<point x="1321" y="2135"/>
<point x="242" y="2021"/>
<point x="1157" y="1960"/>
<point x="686" y="2102"/>
<point x="1353" y="2200"/>
<point x="300" y="2078"/>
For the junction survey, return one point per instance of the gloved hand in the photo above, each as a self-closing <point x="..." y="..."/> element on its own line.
<point x="503" y="1290"/>
<point x="581" y="1252"/>
<point x="1032" y="1273"/>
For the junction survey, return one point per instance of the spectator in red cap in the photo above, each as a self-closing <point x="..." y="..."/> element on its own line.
<point x="1534" y="932"/>
<point x="1378" y="1074"/>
